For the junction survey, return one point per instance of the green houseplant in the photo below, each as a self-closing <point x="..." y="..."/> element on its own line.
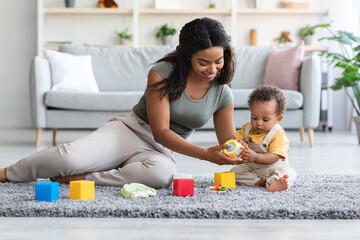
<point x="348" y="59"/>
<point x="124" y="36"/>
<point x="306" y="33"/>
<point x="165" y="32"/>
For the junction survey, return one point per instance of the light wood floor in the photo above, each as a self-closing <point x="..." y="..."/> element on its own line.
<point x="336" y="152"/>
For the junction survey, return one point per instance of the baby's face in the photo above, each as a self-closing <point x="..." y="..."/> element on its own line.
<point x="263" y="115"/>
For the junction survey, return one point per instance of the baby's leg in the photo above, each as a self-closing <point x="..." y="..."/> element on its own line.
<point x="281" y="179"/>
<point x="279" y="185"/>
<point x="245" y="175"/>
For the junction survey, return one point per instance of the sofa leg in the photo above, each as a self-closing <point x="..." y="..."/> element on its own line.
<point x="38" y="135"/>
<point x="54" y="131"/>
<point x="301" y="130"/>
<point x="311" y="136"/>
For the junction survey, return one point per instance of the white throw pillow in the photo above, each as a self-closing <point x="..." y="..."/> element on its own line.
<point x="71" y="72"/>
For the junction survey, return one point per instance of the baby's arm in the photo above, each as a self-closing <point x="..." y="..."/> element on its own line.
<point x="249" y="155"/>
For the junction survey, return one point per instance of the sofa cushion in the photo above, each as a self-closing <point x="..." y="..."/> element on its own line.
<point x="71" y="73"/>
<point x="283" y="67"/>
<point x="103" y="101"/>
<point x="294" y="99"/>
<point x="119" y="68"/>
<point x="251" y="63"/>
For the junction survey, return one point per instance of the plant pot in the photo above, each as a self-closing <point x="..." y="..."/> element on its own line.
<point x="125" y="42"/>
<point x="308" y="40"/>
<point x="69" y="3"/>
<point x="357" y="123"/>
<point x="257" y="3"/>
<point x="166" y="39"/>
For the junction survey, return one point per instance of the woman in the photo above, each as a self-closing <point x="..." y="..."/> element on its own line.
<point x="185" y="88"/>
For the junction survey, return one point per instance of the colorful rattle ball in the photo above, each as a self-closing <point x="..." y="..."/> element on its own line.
<point x="234" y="151"/>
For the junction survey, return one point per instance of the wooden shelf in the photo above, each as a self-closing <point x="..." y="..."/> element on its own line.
<point x="283" y="11"/>
<point x="135" y="13"/>
<point x="206" y="11"/>
<point x="311" y="48"/>
<point x="52" y="47"/>
<point x="69" y="11"/>
<point x="308" y="48"/>
<point x="141" y="11"/>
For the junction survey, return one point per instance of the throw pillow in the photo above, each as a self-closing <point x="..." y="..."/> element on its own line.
<point x="71" y="72"/>
<point x="283" y="67"/>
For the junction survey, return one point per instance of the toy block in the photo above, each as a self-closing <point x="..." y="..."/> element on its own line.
<point x="235" y="149"/>
<point x="47" y="191"/>
<point x="183" y="187"/>
<point x="82" y="189"/>
<point x="226" y="179"/>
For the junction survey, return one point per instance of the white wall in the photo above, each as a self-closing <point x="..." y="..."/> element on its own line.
<point x="18" y="40"/>
<point x="18" y="47"/>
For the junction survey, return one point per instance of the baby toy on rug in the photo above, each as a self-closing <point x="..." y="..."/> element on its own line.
<point x="137" y="190"/>
<point x="219" y="189"/>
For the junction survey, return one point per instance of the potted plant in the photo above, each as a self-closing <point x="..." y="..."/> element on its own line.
<point x="212" y="4"/>
<point x="307" y="33"/>
<point x="166" y="33"/>
<point x="347" y="59"/>
<point x="124" y="36"/>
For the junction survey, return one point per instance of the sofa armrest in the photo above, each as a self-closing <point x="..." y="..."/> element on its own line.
<point x="40" y="83"/>
<point x="310" y="87"/>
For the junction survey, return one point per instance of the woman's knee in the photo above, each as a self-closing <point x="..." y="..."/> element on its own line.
<point x="160" y="171"/>
<point x="67" y="161"/>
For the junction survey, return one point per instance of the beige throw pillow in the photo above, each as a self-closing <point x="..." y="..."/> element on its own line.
<point x="283" y="67"/>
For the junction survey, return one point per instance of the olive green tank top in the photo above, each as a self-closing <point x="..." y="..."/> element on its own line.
<point x="187" y="114"/>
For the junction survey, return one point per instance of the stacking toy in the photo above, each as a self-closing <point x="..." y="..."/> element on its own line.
<point x="235" y="149"/>
<point x="183" y="187"/>
<point x="82" y="189"/>
<point x="137" y="190"/>
<point x="47" y="191"/>
<point x="226" y="179"/>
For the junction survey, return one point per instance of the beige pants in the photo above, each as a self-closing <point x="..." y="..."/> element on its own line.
<point x="122" y="151"/>
<point x="250" y="173"/>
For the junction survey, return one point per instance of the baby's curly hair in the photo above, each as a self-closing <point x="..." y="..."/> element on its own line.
<point x="266" y="93"/>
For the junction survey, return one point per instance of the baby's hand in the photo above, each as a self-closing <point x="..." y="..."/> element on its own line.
<point x="248" y="155"/>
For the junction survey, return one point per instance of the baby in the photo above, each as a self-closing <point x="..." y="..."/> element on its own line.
<point x="265" y="156"/>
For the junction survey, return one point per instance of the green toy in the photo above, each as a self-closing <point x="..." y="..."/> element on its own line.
<point x="137" y="190"/>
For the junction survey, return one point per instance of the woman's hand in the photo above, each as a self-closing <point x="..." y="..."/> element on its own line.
<point x="215" y="155"/>
<point x="68" y="178"/>
<point x="248" y="155"/>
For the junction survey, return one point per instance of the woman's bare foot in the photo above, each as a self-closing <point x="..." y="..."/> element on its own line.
<point x="3" y="177"/>
<point x="280" y="185"/>
<point x="68" y="178"/>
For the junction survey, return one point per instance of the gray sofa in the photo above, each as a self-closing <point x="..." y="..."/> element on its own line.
<point x="121" y="74"/>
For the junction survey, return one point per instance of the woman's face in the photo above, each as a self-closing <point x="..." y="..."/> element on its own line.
<point x="207" y="63"/>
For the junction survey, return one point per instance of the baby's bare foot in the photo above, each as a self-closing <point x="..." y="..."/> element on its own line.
<point x="3" y="177"/>
<point x="280" y="185"/>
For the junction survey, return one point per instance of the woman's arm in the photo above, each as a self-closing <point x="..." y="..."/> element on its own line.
<point x="158" y="111"/>
<point x="224" y="123"/>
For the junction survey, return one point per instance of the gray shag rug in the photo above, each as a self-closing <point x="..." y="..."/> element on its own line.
<point x="313" y="196"/>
